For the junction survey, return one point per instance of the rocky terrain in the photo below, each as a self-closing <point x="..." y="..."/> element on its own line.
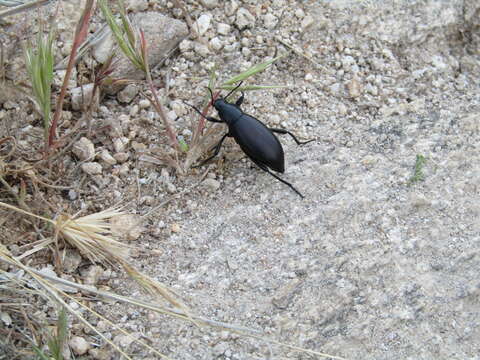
<point x="379" y="261"/>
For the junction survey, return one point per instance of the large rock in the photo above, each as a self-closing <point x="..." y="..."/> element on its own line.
<point x="162" y="33"/>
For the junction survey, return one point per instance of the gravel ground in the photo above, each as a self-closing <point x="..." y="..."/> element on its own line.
<point x="378" y="261"/>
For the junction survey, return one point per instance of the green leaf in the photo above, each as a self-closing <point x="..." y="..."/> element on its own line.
<point x="213" y="78"/>
<point x="418" y="171"/>
<point x="183" y="145"/>
<point x="40" y="353"/>
<point x="253" y="70"/>
<point x="252" y="87"/>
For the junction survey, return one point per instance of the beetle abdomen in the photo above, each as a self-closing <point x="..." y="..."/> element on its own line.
<point x="258" y="142"/>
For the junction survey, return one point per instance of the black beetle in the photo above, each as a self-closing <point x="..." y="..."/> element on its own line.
<point x="255" y="139"/>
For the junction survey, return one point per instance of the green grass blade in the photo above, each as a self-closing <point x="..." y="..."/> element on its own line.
<point x="40" y="354"/>
<point x="252" y="87"/>
<point x="183" y="145"/>
<point x="213" y="77"/>
<point x="62" y="327"/>
<point x="253" y="70"/>
<point x="39" y="61"/>
<point x="127" y="45"/>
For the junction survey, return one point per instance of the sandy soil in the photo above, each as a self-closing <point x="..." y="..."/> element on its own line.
<point x="374" y="263"/>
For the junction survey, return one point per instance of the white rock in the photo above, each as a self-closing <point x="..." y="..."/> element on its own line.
<point x="231" y="7"/>
<point x="127" y="225"/>
<point x="210" y="4"/>
<point x="126" y="340"/>
<point x="355" y="88"/>
<point x="126" y="95"/>
<point x="104" y="48"/>
<point x="178" y="107"/>
<point x="92" y="274"/>
<point x="84" y="149"/>
<point x="120" y="144"/>
<point x="270" y="21"/>
<point x="82" y="96"/>
<point x="201" y="49"/>
<point x="202" y="24"/>
<point x="92" y="168"/>
<point x="79" y="345"/>
<point x="299" y="13"/>
<point x="124" y="169"/>
<point x="223" y="29"/>
<point x="144" y="104"/>
<point x="121" y="157"/>
<point x="137" y="5"/>
<point x="60" y="75"/>
<point x="211" y="184"/>
<point x="72" y="260"/>
<point x="185" y="45"/>
<point x="6" y="319"/>
<point x="244" y="19"/>
<point x="216" y="43"/>
<point x="306" y="22"/>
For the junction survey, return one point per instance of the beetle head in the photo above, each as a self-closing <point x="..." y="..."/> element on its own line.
<point x="216" y="103"/>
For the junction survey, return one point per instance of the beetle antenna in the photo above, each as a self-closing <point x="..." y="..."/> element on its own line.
<point x="196" y="109"/>
<point x="234" y="89"/>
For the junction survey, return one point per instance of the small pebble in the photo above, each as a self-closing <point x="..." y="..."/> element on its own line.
<point x="231" y="7"/>
<point x="175" y="228"/>
<point x="120" y="144"/>
<point x="137" y="5"/>
<point x="107" y="157"/>
<point x="124" y="170"/>
<point x="72" y="194"/>
<point x="201" y="49"/>
<point x="354" y="88"/>
<point x="92" y="274"/>
<point x="216" y="43"/>
<point x="84" y="149"/>
<point x="79" y="345"/>
<point x="202" y="24"/>
<point x="270" y="21"/>
<point x="185" y="45"/>
<point x="92" y="168"/>
<point x="127" y="94"/>
<point x="144" y="104"/>
<point x="211" y="184"/>
<point x="299" y="13"/>
<point x="121" y="157"/>
<point x="81" y="96"/>
<point x="134" y="110"/>
<point x="210" y="4"/>
<point x="244" y="19"/>
<point x="223" y="29"/>
<point x="306" y="22"/>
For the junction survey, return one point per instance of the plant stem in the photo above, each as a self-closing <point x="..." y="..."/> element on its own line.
<point x="80" y="35"/>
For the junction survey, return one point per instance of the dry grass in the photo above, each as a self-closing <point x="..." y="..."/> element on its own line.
<point x="22" y="182"/>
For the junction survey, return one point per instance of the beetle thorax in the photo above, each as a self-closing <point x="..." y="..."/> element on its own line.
<point x="229" y="113"/>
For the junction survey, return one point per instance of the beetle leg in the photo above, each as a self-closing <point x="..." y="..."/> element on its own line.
<point x="265" y="168"/>
<point x="209" y="118"/>
<point x="212" y="119"/>
<point x="283" y="132"/>
<point x="240" y="100"/>
<point x="217" y="150"/>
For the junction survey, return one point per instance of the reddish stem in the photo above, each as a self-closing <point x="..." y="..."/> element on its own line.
<point x="80" y="35"/>
<point x="201" y="123"/>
